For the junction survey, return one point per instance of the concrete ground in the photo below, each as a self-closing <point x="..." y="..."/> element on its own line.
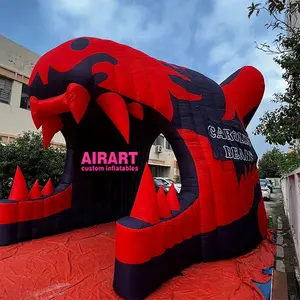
<point x="286" y="260"/>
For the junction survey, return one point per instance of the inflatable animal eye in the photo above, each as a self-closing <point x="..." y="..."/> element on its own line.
<point x="110" y="102"/>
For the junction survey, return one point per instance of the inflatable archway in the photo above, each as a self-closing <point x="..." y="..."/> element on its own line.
<point x="110" y="102"/>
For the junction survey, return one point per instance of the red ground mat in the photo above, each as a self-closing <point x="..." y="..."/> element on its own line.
<point x="79" y="265"/>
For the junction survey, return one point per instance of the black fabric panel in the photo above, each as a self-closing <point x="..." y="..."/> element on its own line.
<point x="249" y="116"/>
<point x="23" y="231"/>
<point x="230" y="78"/>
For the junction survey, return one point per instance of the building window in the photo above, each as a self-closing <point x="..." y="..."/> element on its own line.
<point x="25" y="97"/>
<point x="5" y="89"/>
<point x="168" y="145"/>
<point x="159" y="141"/>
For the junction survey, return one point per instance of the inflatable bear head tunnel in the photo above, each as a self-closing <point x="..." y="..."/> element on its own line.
<point x="110" y="102"/>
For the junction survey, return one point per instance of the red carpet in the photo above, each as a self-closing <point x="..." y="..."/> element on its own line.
<point x="79" y="265"/>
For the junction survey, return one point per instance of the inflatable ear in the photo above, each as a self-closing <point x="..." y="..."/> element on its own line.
<point x="244" y="89"/>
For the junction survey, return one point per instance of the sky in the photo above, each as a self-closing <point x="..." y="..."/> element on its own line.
<point x="213" y="37"/>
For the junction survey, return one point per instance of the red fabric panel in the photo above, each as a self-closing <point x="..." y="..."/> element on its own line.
<point x="68" y="197"/>
<point x="49" y="206"/>
<point x="48" y="188"/>
<point x="234" y="200"/>
<point x="145" y="206"/>
<point x="38" y="209"/>
<point x="19" y="190"/>
<point x="60" y="201"/>
<point x="78" y="99"/>
<point x="115" y="108"/>
<point x="175" y="232"/>
<point x="164" y="209"/>
<point x="204" y="214"/>
<point x="80" y="265"/>
<point x="134" y="246"/>
<point x="172" y="199"/>
<point x="8" y="213"/>
<point x="186" y="223"/>
<point x="159" y="238"/>
<point x="25" y="211"/>
<point x="129" y="77"/>
<point x="169" y="243"/>
<point x="49" y="128"/>
<point x="136" y="110"/>
<point x="35" y="192"/>
<point x="244" y="92"/>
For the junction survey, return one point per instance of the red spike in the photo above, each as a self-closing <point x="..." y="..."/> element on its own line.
<point x="115" y="108"/>
<point x="136" y="110"/>
<point x="173" y="199"/>
<point x="50" y="128"/>
<point x="48" y="188"/>
<point x="164" y="209"/>
<point x="145" y="206"/>
<point x="35" y="192"/>
<point x="19" y="190"/>
<point x="78" y="99"/>
<point x="34" y="112"/>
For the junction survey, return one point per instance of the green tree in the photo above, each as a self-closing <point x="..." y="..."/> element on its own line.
<point x="289" y="162"/>
<point x="269" y="164"/>
<point x="36" y="163"/>
<point x="282" y="125"/>
<point x="275" y="163"/>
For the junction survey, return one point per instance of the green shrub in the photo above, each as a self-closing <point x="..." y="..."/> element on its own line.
<point x="36" y="163"/>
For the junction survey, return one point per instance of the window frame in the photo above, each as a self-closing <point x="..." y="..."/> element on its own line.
<point x="24" y="92"/>
<point x="159" y="141"/>
<point x="11" y="81"/>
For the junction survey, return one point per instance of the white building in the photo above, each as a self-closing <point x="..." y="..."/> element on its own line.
<point x="16" y="64"/>
<point x="162" y="160"/>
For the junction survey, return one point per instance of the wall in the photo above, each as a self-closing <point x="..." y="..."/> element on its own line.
<point x="294" y="21"/>
<point x="16" y="63"/>
<point x="290" y="186"/>
<point x="163" y="161"/>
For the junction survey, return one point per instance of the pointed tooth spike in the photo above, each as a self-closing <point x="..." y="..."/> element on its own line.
<point x="37" y="120"/>
<point x="78" y="99"/>
<point x="145" y="206"/>
<point x="19" y="190"/>
<point x="136" y="110"/>
<point x="48" y="188"/>
<point x="35" y="192"/>
<point x="50" y="128"/>
<point x="173" y="199"/>
<point x="164" y="209"/>
<point x="115" y="108"/>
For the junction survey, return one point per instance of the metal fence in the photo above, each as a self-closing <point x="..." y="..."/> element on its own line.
<point x="290" y="186"/>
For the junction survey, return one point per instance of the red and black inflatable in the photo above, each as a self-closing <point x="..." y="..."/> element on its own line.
<point x="108" y="97"/>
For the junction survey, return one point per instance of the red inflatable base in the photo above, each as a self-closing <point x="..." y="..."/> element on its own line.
<point x="79" y="265"/>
